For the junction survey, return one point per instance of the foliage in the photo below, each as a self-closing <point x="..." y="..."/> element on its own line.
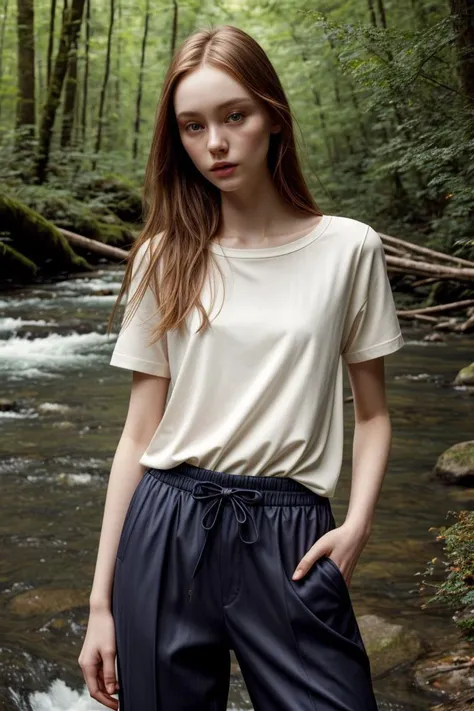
<point x="421" y="148"/>
<point x="456" y="589"/>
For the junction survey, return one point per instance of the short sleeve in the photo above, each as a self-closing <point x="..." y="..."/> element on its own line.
<point x="131" y="349"/>
<point x="371" y="328"/>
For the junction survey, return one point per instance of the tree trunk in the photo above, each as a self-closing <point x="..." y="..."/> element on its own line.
<point x="140" y="80"/>
<point x="119" y="55"/>
<point x="174" y="28"/>
<point x="52" y="19"/>
<point x="2" y="41"/>
<point x="70" y="98"/>
<point x="77" y="118"/>
<point x="383" y="17"/>
<point x="104" y="85"/>
<point x="70" y="29"/>
<point x="373" y="16"/>
<point x="462" y="12"/>
<point x="340" y="104"/>
<point x="86" y="73"/>
<point x="25" y="105"/>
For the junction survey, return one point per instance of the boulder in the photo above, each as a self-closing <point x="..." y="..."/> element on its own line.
<point x="456" y="464"/>
<point x="388" y="644"/>
<point x="465" y="376"/>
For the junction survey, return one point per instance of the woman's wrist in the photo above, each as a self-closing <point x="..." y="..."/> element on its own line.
<point x="361" y="528"/>
<point x="99" y="603"/>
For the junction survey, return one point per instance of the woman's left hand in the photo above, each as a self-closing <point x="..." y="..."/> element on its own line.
<point x="343" y="545"/>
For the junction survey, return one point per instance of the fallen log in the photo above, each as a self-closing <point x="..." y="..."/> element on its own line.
<point x="424" y="250"/>
<point x="419" y="317"/>
<point x="93" y="245"/>
<point x="410" y="265"/>
<point x="467" y="325"/>
<point x="439" y="307"/>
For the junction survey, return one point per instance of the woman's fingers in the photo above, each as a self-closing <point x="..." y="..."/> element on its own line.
<point x="306" y="562"/>
<point x="92" y="678"/>
<point x="108" y="671"/>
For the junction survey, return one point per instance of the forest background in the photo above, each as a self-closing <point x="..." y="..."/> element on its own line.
<point x="382" y="92"/>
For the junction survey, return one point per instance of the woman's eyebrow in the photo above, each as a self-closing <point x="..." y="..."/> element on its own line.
<point x="236" y="100"/>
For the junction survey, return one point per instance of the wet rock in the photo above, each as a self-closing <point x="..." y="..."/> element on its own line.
<point x="8" y="405"/>
<point x="388" y="644"/>
<point x="63" y="425"/>
<point x="436" y="337"/>
<point x="53" y="407"/>
<point x="22" y="673"/>
<point x="449" y="673"/>
<point x="465" y="376"/>
<point x="48" y="600"/>
<point x="456" y="464"/>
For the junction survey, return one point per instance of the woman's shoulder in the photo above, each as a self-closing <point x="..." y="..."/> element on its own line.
<point x="350" y="227"/>
<point x="349" y="233"/>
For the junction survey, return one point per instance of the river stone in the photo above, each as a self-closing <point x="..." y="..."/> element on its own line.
<point x="8" y="405"/>
<point x="465" y="376"/>
<point x="450" y="672"/>
<point x="434" y="336"/>
<point x="456" y="464"/>
<point x="388" y="644"/>
<point x="63" y="425"/>
<point x="48" y="600"/>
<point x="53" y="407"/>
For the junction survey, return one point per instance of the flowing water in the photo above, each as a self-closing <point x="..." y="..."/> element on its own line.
<point x="56" y="449"/>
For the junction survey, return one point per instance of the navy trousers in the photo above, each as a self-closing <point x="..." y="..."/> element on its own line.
<point x="204" y="565"/>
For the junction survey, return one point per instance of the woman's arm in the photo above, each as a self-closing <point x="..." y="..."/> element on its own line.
<point x="371" y="443"/>
<point x="370" y="453"/>
<point x="145" y="410"/>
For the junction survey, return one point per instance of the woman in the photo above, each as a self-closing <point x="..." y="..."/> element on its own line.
<point x="218" y="532"/>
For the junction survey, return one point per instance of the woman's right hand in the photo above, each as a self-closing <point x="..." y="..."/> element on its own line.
<point x="97" y="658"/>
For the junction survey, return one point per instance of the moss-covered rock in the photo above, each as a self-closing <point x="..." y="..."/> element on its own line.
<point x="388" y="645"/>
<point x="39" y="601"/>
<point x="37" y="239"/>
<point x="14" y="265"/>
<point x="456" y="464"/>
<point x="465" y="376"/>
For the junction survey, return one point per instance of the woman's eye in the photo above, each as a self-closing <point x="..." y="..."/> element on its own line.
<point x="234" y="113"/>
<point x="191" y="124"/>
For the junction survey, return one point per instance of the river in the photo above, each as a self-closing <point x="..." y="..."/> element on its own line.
<point x="57" y="449"/>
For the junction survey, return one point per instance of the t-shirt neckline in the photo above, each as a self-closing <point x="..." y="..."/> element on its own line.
<point x="259" y="252"/>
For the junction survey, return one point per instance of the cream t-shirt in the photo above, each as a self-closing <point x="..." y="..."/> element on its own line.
<point x="261" y="392"/>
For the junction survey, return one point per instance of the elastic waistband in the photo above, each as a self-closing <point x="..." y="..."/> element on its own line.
<point x="276" y="491"/>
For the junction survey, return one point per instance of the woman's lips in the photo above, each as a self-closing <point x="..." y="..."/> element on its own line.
<point x="226" y="170"/>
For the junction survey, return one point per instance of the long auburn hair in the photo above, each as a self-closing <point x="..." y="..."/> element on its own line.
<point x="183" y="209"/>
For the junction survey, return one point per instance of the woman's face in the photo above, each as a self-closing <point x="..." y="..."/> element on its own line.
<point x="219" y="120"/>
